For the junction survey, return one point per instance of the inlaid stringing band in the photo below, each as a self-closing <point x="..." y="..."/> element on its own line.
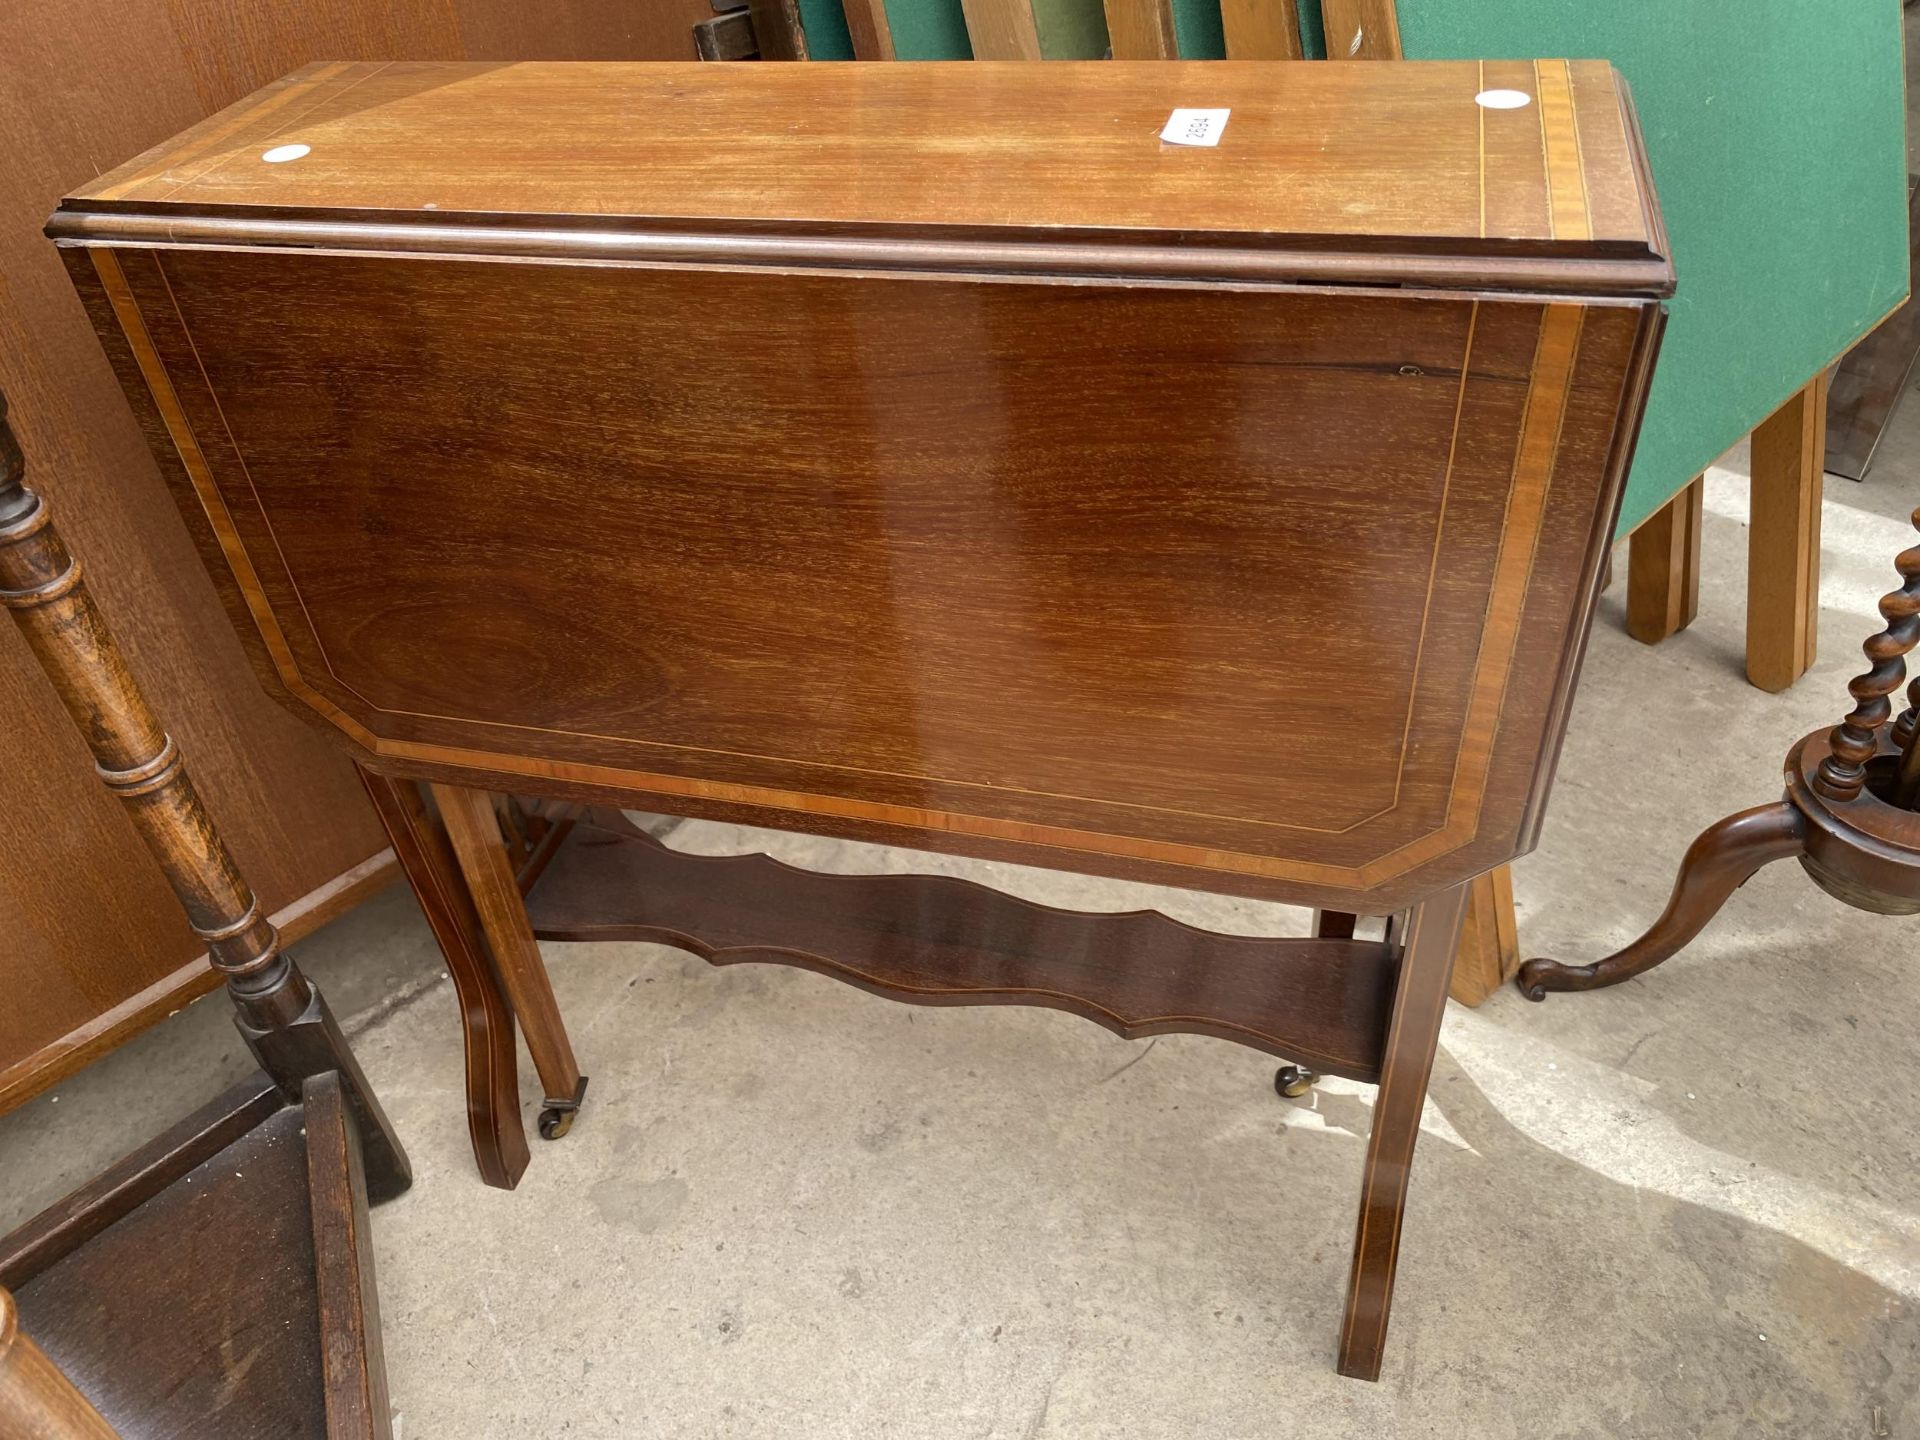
<point x="1569" y="217"/>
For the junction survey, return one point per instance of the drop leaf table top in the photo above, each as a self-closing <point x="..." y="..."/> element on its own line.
<point x="921" y="453"/>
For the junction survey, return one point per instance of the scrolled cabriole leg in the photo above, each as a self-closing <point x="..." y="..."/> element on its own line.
<point x="282" y="1017"/>
<point x="1718" y="863"/>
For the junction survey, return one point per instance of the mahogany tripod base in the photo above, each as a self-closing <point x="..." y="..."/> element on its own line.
<point x="1865" y="851"/>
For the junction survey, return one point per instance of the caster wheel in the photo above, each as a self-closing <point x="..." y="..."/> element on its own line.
<point x="1292" y="1081"/>
<point x="557" y="1119"/>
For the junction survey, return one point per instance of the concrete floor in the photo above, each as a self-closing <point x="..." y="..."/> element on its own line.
<point x="1686" y="1207"/>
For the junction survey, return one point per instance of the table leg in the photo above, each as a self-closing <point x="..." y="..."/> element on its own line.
<point x="1783" y="543"/>
<point x="1489" y="950"/>
<point x="1663" y="568"/>
<point x="1413" y="1034"/>
<point x="474" y="830"/>
<point x="493" y="1084"/>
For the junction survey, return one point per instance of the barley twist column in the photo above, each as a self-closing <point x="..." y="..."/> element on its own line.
<point x="1856" y="739"/>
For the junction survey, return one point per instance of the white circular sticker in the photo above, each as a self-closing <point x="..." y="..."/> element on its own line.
<point x="280" y="154"/>
<point x="1502" y="99"/>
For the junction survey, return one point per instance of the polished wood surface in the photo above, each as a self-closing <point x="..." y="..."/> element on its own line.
<point x="1261" y="29"/>
<point x="1143" y="30"/>
<point x="1783" y="541"/>
<point x="1399" y="159"/>
<point x="1361" y="29"/>
<point x="473" y="830"/>
<point x="847" y="681"/>
<point x="868" y="29"/>
<point x="934" y="940"/>
<point x="1856" y="740"/>
<point x="1719" y="862"/>
<point x="37" y="1402"/>
<point x="487" y="1023"/>
<point x="144" y="1288"/>
<point x="92" y="945"/>
<point x="1412" y="1036"/>
<point x="1002" y="29"/>
<point x="1663" y="567"/>
<point x="1057" y="511"/>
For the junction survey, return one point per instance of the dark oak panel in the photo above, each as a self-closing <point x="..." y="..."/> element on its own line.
<point x="248" y="1340"/>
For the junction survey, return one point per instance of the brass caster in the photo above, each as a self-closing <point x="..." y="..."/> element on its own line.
<point x="557" y="1119"/>
<point x="1293" y="1082"/>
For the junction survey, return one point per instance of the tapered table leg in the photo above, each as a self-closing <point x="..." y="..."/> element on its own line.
<point x="1413" y="1034"/>
<point x="493" y="1084"/>
<point x="474" y="830"/>
<point x="1716" y="864"/>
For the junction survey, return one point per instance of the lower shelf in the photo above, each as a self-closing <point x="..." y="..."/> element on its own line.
<point x="934" y="940"/>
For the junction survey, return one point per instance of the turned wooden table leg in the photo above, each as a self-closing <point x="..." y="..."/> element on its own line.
<point x="1413" y="1035"/>
<point x="283" y="1018"/>
<point x="1783" y="541"/>
<point x="474" y="830"/>
<point x="493" y="1084"/>
<point x="1718" y="863"/>
<point x="38" y="1402"/>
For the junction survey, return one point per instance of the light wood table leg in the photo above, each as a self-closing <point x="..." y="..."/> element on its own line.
<point x="1783" y="545"/>
<point x="474" y="830"/>
<point x="1489" y="951"/>
<point x="1663" y="568"/>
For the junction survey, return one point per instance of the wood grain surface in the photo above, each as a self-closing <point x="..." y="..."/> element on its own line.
<point x="37" y="1402"/>
<point x="1142" y="30"/>
<point x="231" y="1247"/>
<point x="1783" y="543"/>
<point x="1366" y="154"/>
<point x="851" y="678"/>
<point x="935" y="940"/>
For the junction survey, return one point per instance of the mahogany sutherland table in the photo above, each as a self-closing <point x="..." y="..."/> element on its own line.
<point x="928" y="454"/>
